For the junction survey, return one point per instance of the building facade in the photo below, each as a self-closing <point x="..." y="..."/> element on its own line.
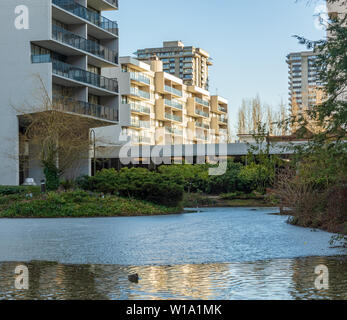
<point x="187" y="63"/>
<point x="70" y="47"/>
<point x="305" y="89"/>
<point x="157" y="108"/>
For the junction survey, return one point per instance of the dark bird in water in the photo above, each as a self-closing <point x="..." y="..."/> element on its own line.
<point x="134" y="278"/>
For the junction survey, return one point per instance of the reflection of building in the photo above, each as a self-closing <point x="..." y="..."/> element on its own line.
<point x="158" y="108"/>
<point x="188" y="63"/>
<point x="305" y="89"/>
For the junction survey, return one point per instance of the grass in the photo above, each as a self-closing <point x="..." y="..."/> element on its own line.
<point x="76" y="204"/>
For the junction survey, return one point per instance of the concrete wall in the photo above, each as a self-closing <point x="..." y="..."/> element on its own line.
<point x="19" y="85"/>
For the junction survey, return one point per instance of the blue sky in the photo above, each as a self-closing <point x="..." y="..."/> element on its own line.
<point x="248" y="40"/>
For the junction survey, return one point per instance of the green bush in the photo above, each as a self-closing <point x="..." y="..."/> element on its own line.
<point x="12" y="190"/>
<point x="138" y="183"/>
<point x="254" y="177"/>
<point x="228" y="182"/>
<point x="81" y="204"/>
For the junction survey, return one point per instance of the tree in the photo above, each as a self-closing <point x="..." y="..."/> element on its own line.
<point x="313" y="185"/>
<point x="253" y="114"/>
<point x="331" y="64"/>
<point x="58" y="139"/>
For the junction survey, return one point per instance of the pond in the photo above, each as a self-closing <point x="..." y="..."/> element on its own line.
<point x="218" y="253"/>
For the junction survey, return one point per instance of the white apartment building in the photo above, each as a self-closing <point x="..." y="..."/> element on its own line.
<point x="70" y="46"/>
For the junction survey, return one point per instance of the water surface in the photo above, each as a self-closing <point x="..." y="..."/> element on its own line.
<point x="216" y="235"/>
<point x="219" y="253"/>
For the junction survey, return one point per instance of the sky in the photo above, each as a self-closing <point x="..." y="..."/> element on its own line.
<point x="247" y="39"/>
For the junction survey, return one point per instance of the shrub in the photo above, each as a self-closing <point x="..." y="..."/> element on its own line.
<point x="139" y="183"/>
<point x="12" y="190"/>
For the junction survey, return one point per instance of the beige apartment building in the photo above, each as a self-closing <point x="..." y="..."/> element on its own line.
<point x="305" y="89"/>
<point x="187" y="63"/>
<point x="165" y="111"/>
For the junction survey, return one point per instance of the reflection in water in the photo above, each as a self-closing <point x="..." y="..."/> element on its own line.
<point x="272" y="279"/>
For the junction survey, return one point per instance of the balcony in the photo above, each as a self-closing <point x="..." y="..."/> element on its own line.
<point x="113" y="2"/>
<point x="140" y="93"/>
<point x="175" y="131"/>
<point x="201" y="113"/>
<point x="81" y="43"/>
<point x="140" y="124"/>
<point x="222" y="109"/>
<point x="141" y="139"/>
<point x="173" y="103"/>
<point x="89" y="15"/>
<point x="173" y="117"/>
<point x="85" y="108"/>
<point x="201" y="137"/>
<point x="223" y="119"/>
<point x="137" y="107"/>
<point x="173" y="91"/>
<point x="140" y="77"/>
<point x="68" y="71"/>
<point x="202" y="125"/>
<point x="202" y="102"/>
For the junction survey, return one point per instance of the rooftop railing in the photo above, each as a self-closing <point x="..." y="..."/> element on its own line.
<point x="69" y="38"/>
<point x="87" y="14"/>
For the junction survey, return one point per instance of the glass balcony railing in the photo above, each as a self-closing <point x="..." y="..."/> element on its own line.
<point x="113" y="2"/>
<point x="222" y="109"/>
<point x="175" y="131"/>
<point x="136" y="107"/>
<point x="84" y="108"/>
<point x="201" y="113"/>
<point x="173" y="103"/>
<point x="68" y="71"/>
<point x="173" y="91"/>
<point x="201" y="137"/>
<point x="202" y="125"/>
<point x="81" y="43"/>
<point x="71" y="72"/>
<point x="141" y="139"/>
<point x="203" y="102"/>
<point x="140" y="124"/>
<point x="140" y="77"/>
<point x="140" y="93"/>
<point x="87" y="14"/>
<point x="223" y="119"/>
<point x="173" y="117"/>
<point x="178" y="132"/>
